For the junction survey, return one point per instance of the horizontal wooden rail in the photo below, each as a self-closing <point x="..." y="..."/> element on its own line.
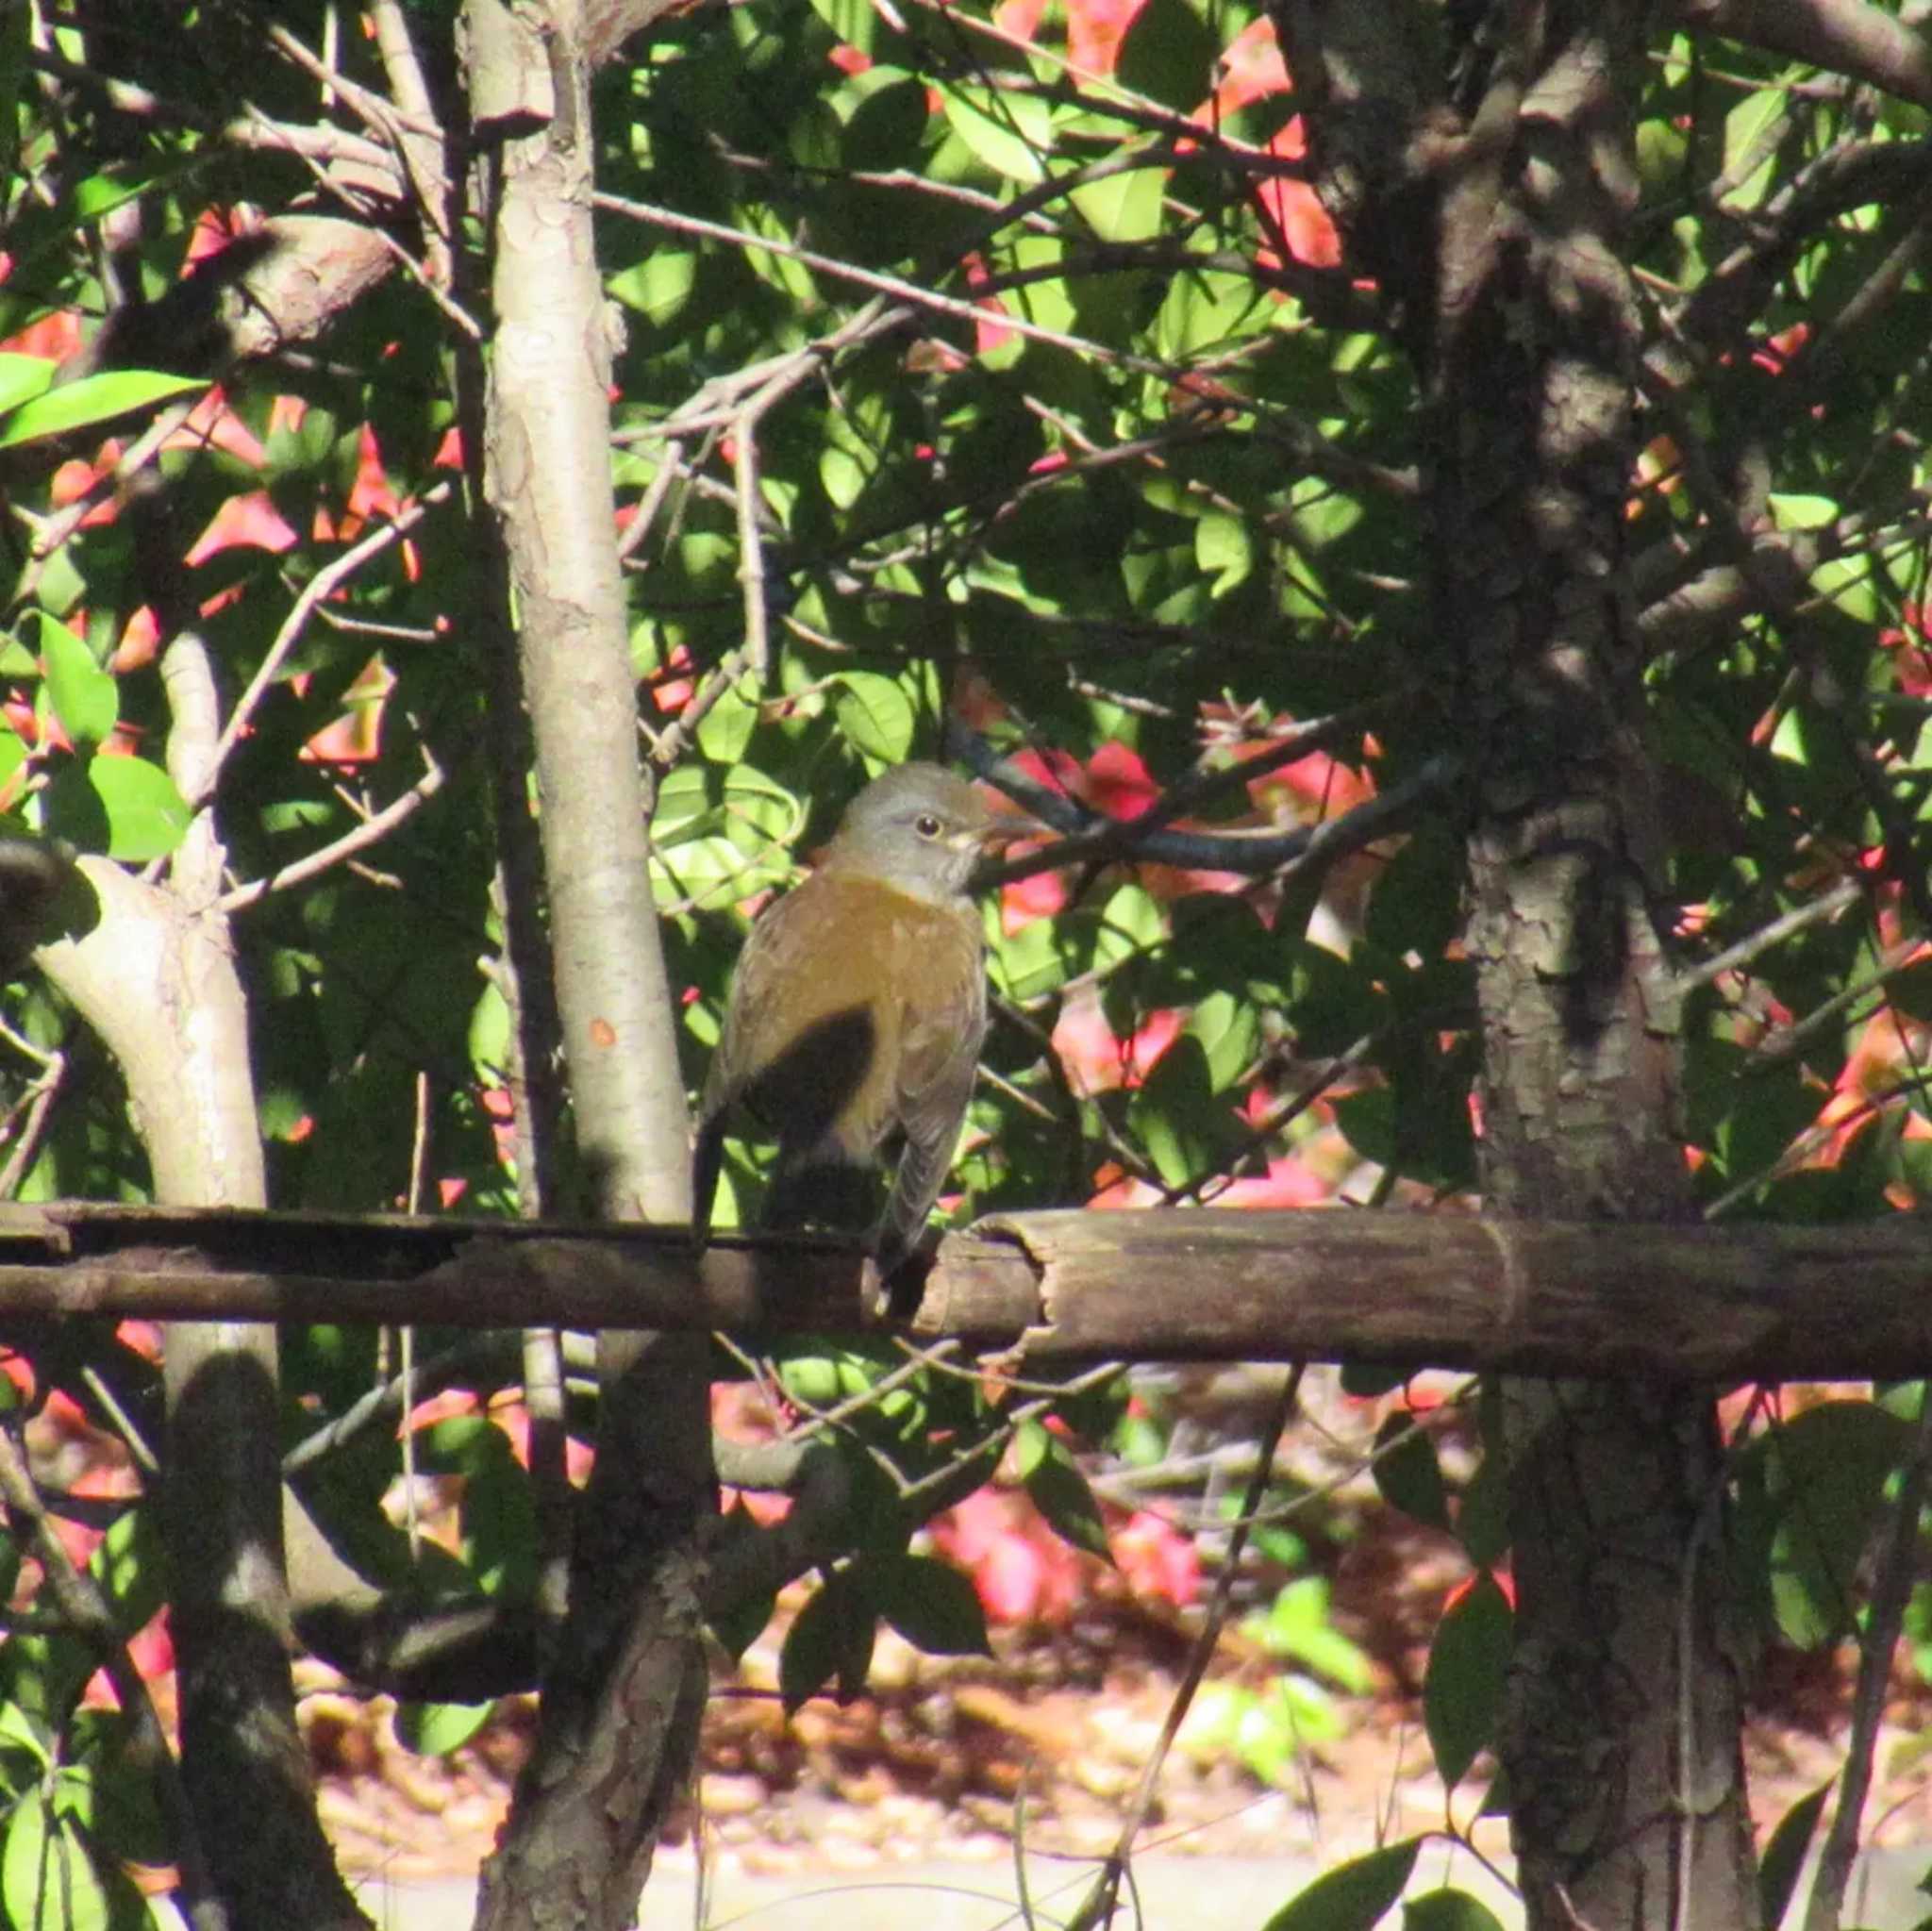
<point x="1702" y="1304"/>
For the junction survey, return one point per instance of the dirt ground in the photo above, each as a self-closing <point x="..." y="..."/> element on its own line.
<point x="950" y="1756"/>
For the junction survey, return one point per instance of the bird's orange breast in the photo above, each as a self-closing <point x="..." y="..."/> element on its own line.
<point x="832" y="980"/>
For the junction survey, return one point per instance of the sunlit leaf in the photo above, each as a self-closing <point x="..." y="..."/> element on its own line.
<point x="875" y="715"/>
<point x="92" y="399"/>
<point x="1008" y="132"/>
<point x="23" y="378"/>
<point x="85" y="697"/>
<point x="439" y="1729"/>
<point x="146" y="816"/>
<point x="1353" y="1896"/>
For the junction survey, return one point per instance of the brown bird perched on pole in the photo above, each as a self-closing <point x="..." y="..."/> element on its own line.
<point x="858" y="1009"/>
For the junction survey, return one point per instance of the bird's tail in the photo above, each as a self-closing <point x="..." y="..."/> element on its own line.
<point x="708" y="1156"/>
<point x="922" y="1169"/>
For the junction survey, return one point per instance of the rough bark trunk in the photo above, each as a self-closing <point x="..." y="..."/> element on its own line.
<point x="1488" y="186"/>
<point x="1621" y="1740"/>
<point x="621" y="1702"/>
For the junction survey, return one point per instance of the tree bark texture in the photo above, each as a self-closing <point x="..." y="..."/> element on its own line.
<point x="619" y="1709"/>
<point x="1621" y="1740"/>
<point x="156" y="980"/>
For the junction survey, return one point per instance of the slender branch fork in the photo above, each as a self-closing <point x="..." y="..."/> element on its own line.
<point x="321" y="585"/>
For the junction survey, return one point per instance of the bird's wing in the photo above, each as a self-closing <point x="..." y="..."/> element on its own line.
<point x="939" y="1055"/>
<point x="940" y="1039"/>
<point x="744" y="1013"/>
<point x="744" y="1020"/>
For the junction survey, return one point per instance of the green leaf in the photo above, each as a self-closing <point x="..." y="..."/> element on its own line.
<point x="48" y="1880"/>
<point x="499" y="1523"/>
<point x="886" y="112"/>
<point x="812" y="1380"/>
<point x="831" y="1636"/>
<point x="1123" y="207"/>
<point x="1130" y="921"/>
<point x="716" y="844"/>
<point x="1204" y="308"/>
<point x="1482" y="1512"/>
<point x="1168" y="53"/>
<point x="1300" y="1624"/>
<point x="725" y="731"/>
<point x="852" y="22"/>
<point x="436" y="1729"/>
<point x="101" y="194"/>
<point x="931" y="1605"/>
<point x="130" y="1566"/>
<point x="121" y="1808"/>
<point x="1792" y="512"/>
<point x="1751" y="138"/>
<point x="71" y="810"/>
<point x="1367" y="1122"/>
<point x="1366" y="1382"/>
<point x="785" y="273"/>
<point x="875" y="715"/>
<point x="146" y="816"/>
<point x="1009" y="132"/>
<point x="1177" y="1118"/>
<point x="1462" y="1693"/>
<point x="1224" y="549"/>
<point x="1447" y="1910"/>
<point x="1061" y="1494"/>
<point x="1409" y="1475"/>
<point x="92" y="399"/>
<point x="85" y="697"/>
<point x="739" y="1624"/>
<point x="1229" y="1030"/>
<point x="19" y="1730"/>
<point x="23" y="378"/>
<point x="1784" y="1856"/>
<point x="659" y="286"/>
<point x="1353" y="1896"/>
<point x="1828" y="1468"/>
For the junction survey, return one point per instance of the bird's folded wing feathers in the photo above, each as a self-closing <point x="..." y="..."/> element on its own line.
<point x="939" y="1056"/>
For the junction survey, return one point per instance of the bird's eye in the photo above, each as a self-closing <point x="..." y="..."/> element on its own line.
<point x="926" y="825"/>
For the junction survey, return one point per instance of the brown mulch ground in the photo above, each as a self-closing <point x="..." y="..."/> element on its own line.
<point x="933" y="1764"/>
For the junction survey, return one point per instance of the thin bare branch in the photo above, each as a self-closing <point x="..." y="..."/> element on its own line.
<point x="1249" y="854"/>
<point x="1847" y="37"/>
<point x="373" y="831"/>
<point x="1098" y="1908"/>
<point x="1841" y="897"/>
<point x="1891" y="1592"/>
<point x="321" y="585"/>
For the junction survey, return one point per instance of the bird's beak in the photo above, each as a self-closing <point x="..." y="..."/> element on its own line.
<point x="1008" y="828"/>
<point x="1002" y="832"/>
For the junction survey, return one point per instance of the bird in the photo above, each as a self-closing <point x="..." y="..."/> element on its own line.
<point x="857" y="1012"/>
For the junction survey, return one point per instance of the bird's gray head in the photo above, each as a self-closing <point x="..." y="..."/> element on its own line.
<point x="917" y="828"/>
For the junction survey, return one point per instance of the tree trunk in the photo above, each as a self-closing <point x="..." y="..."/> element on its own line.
<point x="158" y="982"/>
<point x="621" y="1702"/>
<point x="1621" y="1735"/>
<point x="1487" y="185"/>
